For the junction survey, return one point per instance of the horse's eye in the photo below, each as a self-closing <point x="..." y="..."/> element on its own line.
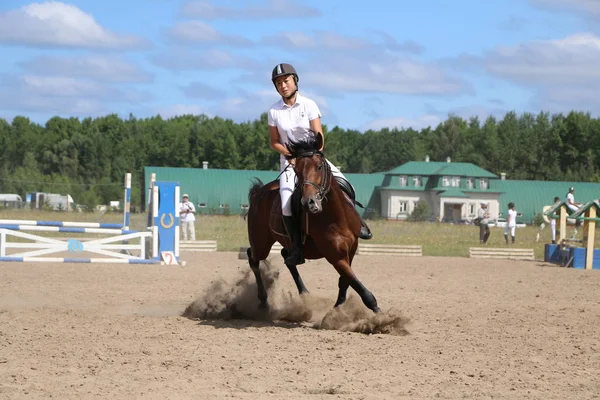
<point x="320" y="167"/>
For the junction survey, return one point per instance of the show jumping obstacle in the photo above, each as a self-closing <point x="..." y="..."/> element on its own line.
<point x="158" y="244"/>
<point x="566" y="253"/>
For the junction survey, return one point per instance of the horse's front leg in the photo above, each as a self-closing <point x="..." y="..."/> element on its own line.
<point x="343" y="285"/>
<point x="348" y="278"/>
<point x="296" y="275"/>
<point x="255" y="266"/>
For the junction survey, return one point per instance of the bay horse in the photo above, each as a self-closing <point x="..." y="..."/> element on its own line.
<point x="331" y="226"/>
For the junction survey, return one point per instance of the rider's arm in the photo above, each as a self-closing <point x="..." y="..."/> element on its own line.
<point x="274" y="142"/>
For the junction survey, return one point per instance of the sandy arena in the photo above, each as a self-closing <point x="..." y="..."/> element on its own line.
<point x="454" y="328"/>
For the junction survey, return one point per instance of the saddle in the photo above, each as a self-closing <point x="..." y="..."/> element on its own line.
<point x="276" y="220"/>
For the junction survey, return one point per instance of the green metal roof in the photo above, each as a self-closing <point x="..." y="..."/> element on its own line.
<point x="216" y="187"/>
<point x="530" y="197"/>
<point x="453" y="192"/>
<point x="441" y="168"/>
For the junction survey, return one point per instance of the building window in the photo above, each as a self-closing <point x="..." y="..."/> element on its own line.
<point x="201" y="205"/>
<point x="403" y="180"/>
<point x="244" y="206"/>
<point x="483" y="183"/>
<point x="471" y="209"/>
<point x="416" y="181"/>
<point x="403" y="206"/>
<point x="446" y="181"/>
<point x="470" y="183"/>
<point x="456" y="181"/>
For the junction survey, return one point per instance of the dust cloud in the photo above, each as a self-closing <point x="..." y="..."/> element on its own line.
<point x="224" y="300"/>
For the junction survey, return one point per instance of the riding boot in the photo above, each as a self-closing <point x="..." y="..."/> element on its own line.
<point x="296" y="254"/>
<point x="365" y="232"/>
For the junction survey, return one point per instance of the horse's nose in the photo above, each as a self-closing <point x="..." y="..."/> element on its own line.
<point x="313" y="206"/>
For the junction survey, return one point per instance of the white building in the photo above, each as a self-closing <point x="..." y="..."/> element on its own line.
<point x="453" y="191"/>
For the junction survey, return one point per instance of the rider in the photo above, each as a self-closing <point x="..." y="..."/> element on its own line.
<point x="293" y="118"/>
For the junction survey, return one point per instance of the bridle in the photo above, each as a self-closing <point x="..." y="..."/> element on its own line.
<point x="325" y="186"/>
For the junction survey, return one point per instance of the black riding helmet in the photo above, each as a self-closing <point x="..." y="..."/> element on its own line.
<point x="283" y="70"/>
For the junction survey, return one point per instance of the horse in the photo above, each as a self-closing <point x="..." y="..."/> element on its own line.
<point x="330" y="224"/>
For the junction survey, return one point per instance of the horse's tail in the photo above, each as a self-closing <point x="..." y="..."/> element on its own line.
<point x="255" y="188"/>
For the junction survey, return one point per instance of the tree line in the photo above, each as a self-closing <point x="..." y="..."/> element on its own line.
<point x="89" y="157"/>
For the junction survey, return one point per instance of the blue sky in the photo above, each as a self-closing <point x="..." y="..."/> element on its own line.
<point x="368" y="64"/>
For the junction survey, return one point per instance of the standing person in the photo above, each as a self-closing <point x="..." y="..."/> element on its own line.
<point x="187" y="218"/>
<point x="511" y="222"/>
<point x="293" y="118"/>
<point x="484" y="219"/>
<point x="553" y="223"/>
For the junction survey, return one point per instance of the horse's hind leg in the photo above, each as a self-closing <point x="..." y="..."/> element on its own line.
<point x="255" y="266"/>
<point x="348" y="278"/>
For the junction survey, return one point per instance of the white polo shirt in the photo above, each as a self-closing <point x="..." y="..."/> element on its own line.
<point x="293" y="121"/>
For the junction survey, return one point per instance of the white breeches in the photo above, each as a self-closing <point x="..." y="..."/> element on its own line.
<point x="287" y="181"/>
<point x="511" y="229"/>
<point x="572" y="207"/>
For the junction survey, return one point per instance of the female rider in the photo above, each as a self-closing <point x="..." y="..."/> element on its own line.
<point x="293" y="118"/>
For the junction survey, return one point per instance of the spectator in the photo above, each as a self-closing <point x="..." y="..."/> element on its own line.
<point x="187" y="218"/>
<point x="511" y="222"/>
<point x="484" y="219"/>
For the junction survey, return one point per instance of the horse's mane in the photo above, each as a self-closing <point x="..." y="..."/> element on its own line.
<point x="309" y="144"/>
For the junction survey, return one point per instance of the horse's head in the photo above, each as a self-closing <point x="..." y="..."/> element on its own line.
<point x="313" y="172"/>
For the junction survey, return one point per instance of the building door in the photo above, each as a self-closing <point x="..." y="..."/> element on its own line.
<point x="453" y="211"/>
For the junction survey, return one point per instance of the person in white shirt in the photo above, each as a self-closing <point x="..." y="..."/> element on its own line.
<point x="187" y="218"/>
<point x="571" y="203"/>
<point x="291" y="119"/>
<point x="511" y="222"/>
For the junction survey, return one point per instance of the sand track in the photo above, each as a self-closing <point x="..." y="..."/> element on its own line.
<point x="492" y="329"/>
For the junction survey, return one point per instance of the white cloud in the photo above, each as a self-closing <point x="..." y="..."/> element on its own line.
<point x="64" y="87"/>
<point x="176" y="110"/>
<point x="572" y="60"/>
<point x="64" y="95"/>
<point x="406" y="46"/>
<point x="588" y="8"/>
<point x="380" y="73"/>
<point x="417" y="123"/>
<point x="246" y="106"/>
<point x="183" y="59"/>
<point x="97" y="67"/>
<point x="201" y="32"/>
<point x="54" y="23"/>
<point x="273" y="9"/>
<point x="318" y="40"/>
